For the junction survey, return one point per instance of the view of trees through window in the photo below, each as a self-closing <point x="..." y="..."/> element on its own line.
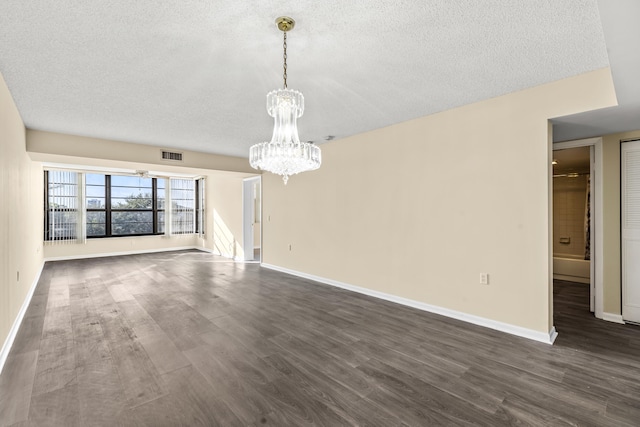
<point x="131" y="205"/>
<point x="121" y="205"/>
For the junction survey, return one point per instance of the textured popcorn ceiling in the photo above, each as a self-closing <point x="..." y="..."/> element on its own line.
<point x="622" y="35"/>
<point x="194" y="74"/>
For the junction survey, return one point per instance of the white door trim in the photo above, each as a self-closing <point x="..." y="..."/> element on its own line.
<point x="597" y="217"/>
<point x="592" y="239"/>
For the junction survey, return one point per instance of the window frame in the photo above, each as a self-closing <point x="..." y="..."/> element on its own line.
<point x="109" y="209"/>
<point x="199" y="206"/>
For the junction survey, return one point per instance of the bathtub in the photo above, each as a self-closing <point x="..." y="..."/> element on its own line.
<point x="572" y="268"/>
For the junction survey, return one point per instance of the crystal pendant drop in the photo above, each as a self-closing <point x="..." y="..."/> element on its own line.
<point x="285" y="155"/>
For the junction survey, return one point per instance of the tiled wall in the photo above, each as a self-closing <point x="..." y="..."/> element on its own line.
<point x="569" y="202"/>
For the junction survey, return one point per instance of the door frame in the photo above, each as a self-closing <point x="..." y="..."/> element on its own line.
<point x="628" y="313"/>
<point x="248" y="184"/>
<point x="597" y="265"/>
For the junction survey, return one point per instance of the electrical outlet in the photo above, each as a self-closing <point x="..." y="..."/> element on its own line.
<point x="484" y="278"/>
<point x="289" y="246"/>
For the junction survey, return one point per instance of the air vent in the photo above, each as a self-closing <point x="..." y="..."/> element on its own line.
<point x="171" y="155"/>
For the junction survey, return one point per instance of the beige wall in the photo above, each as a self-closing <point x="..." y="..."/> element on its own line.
<point x="419" y="209"/>
<point x="227" y="217"/>
<point x="20" y="215"/>
<point x="223" y="198"/>
<point x="118" y="245"/>
<point x="84" y="147"/>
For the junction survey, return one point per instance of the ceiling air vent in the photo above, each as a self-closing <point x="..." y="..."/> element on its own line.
<point x="171" y="155"/>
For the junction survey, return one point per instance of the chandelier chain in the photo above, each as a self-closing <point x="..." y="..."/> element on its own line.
<point x="284" y="56"/>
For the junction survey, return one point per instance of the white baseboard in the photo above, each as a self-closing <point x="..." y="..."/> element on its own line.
<point x="547" y="338"/>
<point x="8" y="343"/>
<point x="615" y="318"/>
<point x="135" y="252"/>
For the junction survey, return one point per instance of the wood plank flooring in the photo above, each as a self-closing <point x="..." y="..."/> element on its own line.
<point x="189" y="339"/>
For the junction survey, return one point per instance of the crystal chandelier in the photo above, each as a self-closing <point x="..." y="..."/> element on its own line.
<point x="285" y="155"/>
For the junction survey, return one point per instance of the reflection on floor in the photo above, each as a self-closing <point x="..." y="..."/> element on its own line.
<point x="185" y="338"/>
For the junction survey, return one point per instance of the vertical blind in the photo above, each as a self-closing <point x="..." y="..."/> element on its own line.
<point x="183" y="209"/>
<point x="64" y="207"/>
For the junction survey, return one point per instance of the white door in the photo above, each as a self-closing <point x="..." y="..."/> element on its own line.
<point x="251" y="218"/>
<point x="631" y="231"/>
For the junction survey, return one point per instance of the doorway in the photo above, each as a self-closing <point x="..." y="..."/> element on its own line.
<point x="252" y="218"/>
<point x="577" y="217"/>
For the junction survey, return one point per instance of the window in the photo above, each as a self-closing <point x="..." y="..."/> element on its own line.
<point x="183" y="206"/>
<point x="132" y="200"/>
<point x="96" y="205"/>
<point x="120" y="205"/>
<point x="123" y="205"/>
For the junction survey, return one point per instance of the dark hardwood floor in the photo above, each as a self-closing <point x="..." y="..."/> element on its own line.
<point x="186" y="338"/>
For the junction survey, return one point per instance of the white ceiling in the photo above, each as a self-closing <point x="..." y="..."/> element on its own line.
<point x="194" y="74"/>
